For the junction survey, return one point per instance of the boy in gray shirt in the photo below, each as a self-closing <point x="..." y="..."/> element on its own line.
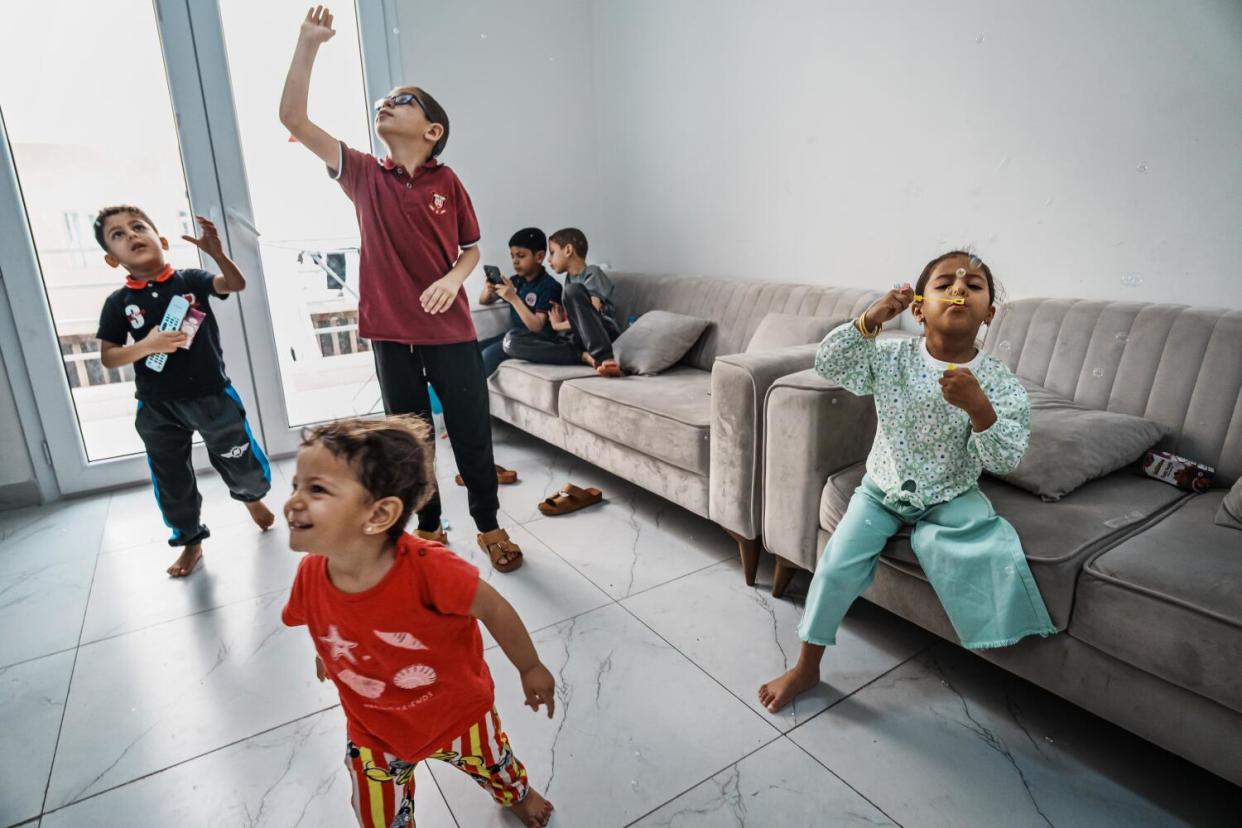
<point x="586" y="321"/>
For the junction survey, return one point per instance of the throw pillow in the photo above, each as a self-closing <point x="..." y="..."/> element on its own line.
<point x="1230" y="511"/>
<point x="784" y="330"/>
<point x="1072" y="444"/>
<point x="657" y="341"/>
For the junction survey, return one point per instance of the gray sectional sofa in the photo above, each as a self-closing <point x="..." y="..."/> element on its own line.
<point x="1145" y="588"/>
<point x="691" y="434"/>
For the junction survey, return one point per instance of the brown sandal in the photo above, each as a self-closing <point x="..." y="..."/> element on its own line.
<point x="505" y="477"/>
<point x="497" y="545"/>
<point x="570" y="499"/>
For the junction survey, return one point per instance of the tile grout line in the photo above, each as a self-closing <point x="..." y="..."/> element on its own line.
<point x="707" y="778"/>
<point x="440" y="791"/>
<point x="842" y="779"/>
<point x="61" y="651"/>
<point x="73" y="668"/>
<point x="815" y="759"/>
<point x="703" y="670"/>
<point x="188" y="759"/>
<point x="870" y="682"/>
<point x="780" y="735"/>
<point x="203" y="611"/>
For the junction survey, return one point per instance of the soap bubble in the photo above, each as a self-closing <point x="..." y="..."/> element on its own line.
<point x="483" y="35"/>
<point x="1121" y="337"/>
<point x="1141" y="167"/>
<point x="979" y="39"/>
<point x="395" y="30"/>
<point x="867" y="521"/>
<point x="1005" y="346"/>
<point x="1097" y="372"/>
<point x="961" y="271"/>
<point x="1132" y="280"/>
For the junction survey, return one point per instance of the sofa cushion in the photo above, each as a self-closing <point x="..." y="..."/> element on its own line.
<point x="1057" y="537"/>
<point x="784" y="330"/>
<point x="657" y="341"/>
<point x="1230" y="512"/>
<point x="1071" y="443"/>
<point x="667" y="416"/>
<point x="533" y="384"/>
<point x="1169" y="601"/>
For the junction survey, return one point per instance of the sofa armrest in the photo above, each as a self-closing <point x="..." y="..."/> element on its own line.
<point x="490" y="320"/>
<point x="740" y="383"/>
<point x="814" y="429"/>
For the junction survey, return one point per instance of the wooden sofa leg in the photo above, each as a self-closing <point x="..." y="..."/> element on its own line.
<point x="748" y="549"/>
<point x="780" y="579"/>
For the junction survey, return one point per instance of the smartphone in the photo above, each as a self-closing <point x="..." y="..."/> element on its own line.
<point x="492" y="274"/>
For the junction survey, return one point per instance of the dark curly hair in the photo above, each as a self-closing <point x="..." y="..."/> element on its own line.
<point x="983" y="268"/>
<point x="116" y="209"/>
<point x="392" y="457"/>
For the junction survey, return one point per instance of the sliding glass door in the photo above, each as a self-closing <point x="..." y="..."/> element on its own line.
<point x="172" y="106"/>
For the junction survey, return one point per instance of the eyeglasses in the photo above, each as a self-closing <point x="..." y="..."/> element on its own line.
<point x="404" y="99"/>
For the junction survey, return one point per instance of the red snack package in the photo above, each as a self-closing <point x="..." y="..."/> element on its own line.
<point x="1178" y="471"/>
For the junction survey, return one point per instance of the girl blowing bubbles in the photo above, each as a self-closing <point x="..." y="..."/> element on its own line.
<point x="395" y="620"/>
<point x="945" y="412"/>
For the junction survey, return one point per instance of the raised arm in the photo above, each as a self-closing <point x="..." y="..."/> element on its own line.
<point x="316" y="30"/>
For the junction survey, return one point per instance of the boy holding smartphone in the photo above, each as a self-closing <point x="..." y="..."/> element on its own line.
<point x="531" y="292"/>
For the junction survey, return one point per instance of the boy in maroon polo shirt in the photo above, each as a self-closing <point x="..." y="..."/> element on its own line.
<point x="419" y="243"/>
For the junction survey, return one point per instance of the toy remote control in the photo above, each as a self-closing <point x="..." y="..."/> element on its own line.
<point x="174" y="315"/>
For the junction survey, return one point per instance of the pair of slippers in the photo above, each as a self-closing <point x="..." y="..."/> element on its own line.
<point x="569" y="499"/>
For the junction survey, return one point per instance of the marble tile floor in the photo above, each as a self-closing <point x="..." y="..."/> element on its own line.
<point x="127" y="699"/>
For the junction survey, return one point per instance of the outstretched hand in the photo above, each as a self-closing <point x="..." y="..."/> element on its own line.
<point x="209" y="242"/>
<point x="317" y="27"/>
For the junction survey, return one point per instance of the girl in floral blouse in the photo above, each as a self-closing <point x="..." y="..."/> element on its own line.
<point x="946" y="411"/>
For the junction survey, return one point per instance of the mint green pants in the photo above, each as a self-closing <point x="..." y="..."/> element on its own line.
<point x="971" y="556"/>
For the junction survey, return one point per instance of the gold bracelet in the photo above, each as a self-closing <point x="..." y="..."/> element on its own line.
<point x="861" y="324"/>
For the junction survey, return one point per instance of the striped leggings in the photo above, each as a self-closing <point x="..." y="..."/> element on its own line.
<point x="383" y="785"/>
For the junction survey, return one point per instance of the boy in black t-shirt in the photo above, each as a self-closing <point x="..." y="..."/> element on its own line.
<point x="191" y="392"/>
<point x="531" y="292"/>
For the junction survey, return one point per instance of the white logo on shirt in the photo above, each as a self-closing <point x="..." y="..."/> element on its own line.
<point x="531" y="299"/>
<point x="134" y="314"/>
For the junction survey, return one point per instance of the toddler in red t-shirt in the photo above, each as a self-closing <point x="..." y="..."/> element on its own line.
<point x="395" y="620"/>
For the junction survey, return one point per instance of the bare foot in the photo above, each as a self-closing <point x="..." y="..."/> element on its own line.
<point x="534" y="810"/>
<point x="588" y="360"/>
<point x="781" y="691"/>
<point x="190" y="556"/>
<point x="260" y="514"/>
<point x="608" y="368"/>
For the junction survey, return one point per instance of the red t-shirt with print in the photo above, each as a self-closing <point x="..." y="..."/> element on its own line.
<point x="406" y="655"/>
<point x="413" y="228"/>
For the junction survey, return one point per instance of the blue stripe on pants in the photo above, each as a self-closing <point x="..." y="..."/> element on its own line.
<point x="254" y="444"/>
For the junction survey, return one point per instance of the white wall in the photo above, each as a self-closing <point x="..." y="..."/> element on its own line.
<point x="516" y="80"/>
<point x="1073" y="143"/>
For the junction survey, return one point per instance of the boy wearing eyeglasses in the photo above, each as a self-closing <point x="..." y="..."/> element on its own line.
<point x="419" y="243"/>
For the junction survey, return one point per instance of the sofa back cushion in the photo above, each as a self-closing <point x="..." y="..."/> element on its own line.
<point x="737" y="307"/>
<point x="1173" y="364"/>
